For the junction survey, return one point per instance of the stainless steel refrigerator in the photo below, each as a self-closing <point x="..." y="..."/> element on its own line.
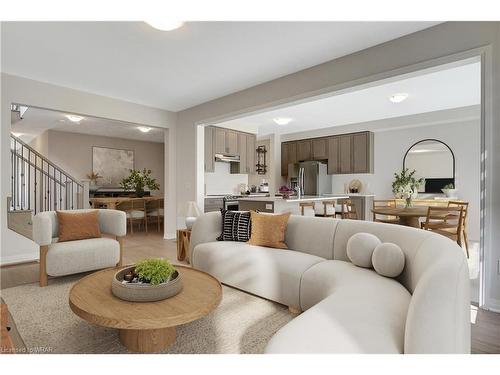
<point x="311" y="177"/>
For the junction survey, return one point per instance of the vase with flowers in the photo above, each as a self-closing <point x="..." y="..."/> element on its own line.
<point x="285" y="191"/>
<point x="405" y="185"/>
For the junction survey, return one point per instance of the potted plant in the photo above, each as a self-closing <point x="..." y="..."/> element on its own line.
<point x="449" y="190"/>
<point x="405" y="185"/>
<point x="148" y="280"/>
<point x="93" y="177"/>
<point x="138" y="180"/>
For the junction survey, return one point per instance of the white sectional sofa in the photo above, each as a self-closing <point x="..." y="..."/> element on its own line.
<point x="348" y="309"/>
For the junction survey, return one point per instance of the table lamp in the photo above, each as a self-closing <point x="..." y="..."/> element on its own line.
<point x="192" y="212"/>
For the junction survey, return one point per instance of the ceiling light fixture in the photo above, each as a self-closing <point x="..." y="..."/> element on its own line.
<point x="282" y="120"/>
<point x="144" y="129"/>
<point x="74" y="118"/>
<point x="398" y="98"/>
<point x="165" y="25"/>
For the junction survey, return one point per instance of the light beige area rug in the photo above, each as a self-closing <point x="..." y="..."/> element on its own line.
<point x="242" y="323"/>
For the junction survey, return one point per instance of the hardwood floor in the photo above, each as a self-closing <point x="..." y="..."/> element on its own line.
<point x="485" y="324"/>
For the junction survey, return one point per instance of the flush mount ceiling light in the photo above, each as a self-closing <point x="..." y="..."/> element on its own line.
<point x="144" y="129"/>
<point x="398" y="98"/>
<point x="165" y="25"/>
<point x="74" y="118"/>
<point x="282" y="120"/>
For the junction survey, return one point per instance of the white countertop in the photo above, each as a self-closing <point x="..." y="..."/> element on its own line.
<point x="305" y="198"/>
<point x="351" y="194"/>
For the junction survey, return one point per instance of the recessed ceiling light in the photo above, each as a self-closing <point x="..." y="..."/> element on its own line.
<point x="144" y="129"/>
<point x="398" y="98"/>
<point x="165" y="25"/>
<point x="74" y="118"/>
<point x="282" y="120"/>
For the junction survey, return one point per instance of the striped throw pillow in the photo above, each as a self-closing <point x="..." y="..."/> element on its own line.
<point x="236" y="226"/>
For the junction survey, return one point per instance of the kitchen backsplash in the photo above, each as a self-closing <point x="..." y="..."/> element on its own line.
<point x="222" y="181"/>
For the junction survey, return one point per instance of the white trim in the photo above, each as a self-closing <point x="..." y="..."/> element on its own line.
<point x="493" y="305"/>
<point x="17" y="259"/>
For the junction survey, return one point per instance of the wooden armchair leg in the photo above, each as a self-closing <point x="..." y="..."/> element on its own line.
<point x="43" y="265"/>
<point x="120" y="241"/>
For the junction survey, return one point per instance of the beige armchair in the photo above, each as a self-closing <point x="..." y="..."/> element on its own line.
<point x="70" y="257"/>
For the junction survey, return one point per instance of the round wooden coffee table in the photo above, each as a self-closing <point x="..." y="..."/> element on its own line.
<point x="145" y="327"/>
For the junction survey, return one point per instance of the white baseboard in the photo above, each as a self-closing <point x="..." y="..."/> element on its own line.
<point x="16" y="259"/>
<point x="493" y="305"/>
<point x="170" y="236"/>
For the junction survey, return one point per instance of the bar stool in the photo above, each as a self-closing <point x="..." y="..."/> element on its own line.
<point x="328" y="209"/>
<point x="307" y="208"/>
<point x="346" y="210"/>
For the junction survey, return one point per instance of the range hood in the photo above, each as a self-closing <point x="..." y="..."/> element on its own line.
<point x="227" y="158"/>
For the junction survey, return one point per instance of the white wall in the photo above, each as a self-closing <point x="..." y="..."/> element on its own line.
<point x="409" y="53"/>
<point x="221" y="181"/>
<point x="73" y="153"/>
<point x="14" y="247"/>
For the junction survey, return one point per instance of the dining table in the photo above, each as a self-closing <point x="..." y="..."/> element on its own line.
<point x="112" y="202"/>
<point x="408" y="216"/>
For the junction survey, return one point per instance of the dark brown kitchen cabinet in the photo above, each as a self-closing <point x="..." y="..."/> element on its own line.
<point x="345" y="154"/>
<point x="320" y="149"/>
<point x="209" y="150"/>
<point x="334" y="155"/>
<point x="304" y="150"/>
<point x="285" y="155"/>
<point x="362" y="156"/>
<point x="292" y="153"/>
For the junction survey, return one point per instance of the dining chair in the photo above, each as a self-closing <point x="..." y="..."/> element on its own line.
<point x="384" y="203"/>
<point x="307" y="208"/>
<point x="154" y="209"/>
<point x="447" y="221"/>
<point x="346" y="209"/>
<point x="325" y="208"/>
<point x="465" y="207"/>
<point x="135" y="209"/>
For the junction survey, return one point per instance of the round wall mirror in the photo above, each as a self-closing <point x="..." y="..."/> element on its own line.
<point x="432" y="160"/>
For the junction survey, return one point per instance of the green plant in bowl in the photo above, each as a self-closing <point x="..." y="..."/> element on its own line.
<point x="154" y="271"/>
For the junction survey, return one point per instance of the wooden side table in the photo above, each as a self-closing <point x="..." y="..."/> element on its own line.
<point x="183" y="238"/>
<point x="6" y="345"/>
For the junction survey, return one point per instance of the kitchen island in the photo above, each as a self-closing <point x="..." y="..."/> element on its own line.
<point x="280" y="205"/>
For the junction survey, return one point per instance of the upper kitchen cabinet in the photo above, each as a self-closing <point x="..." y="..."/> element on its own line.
<point x="250" y="154"/>
<point x="304" y="150"/>
<point x="288" y="156"/>
<point x="333" y="155"/>
<point x="231" y="142"/>
<point x="362" y="155"/>
<point x="209" y="149"/>
<point x="345" y="143"/>
<point x="320" y="149"/>
<point x="219" y="141"/>
<point x="345" y="153"/>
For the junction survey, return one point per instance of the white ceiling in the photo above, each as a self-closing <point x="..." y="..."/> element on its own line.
<point x="455" y="87"/>
<point x="179" y="69"/>
<point x="35" y="121"/>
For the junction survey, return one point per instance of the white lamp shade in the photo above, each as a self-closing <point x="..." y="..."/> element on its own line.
<point x="192" y="209"/>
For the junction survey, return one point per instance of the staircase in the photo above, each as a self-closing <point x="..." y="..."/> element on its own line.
<point x="38" y="185"/>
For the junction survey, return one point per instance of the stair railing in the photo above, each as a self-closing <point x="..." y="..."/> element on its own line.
<point x="37" y="184"/>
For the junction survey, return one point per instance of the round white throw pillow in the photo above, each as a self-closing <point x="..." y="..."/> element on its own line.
<point x="360" y="248"/>
<point x="388" y="259"/>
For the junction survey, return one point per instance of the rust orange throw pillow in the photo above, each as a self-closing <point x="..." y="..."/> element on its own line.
<point x="78" y="225"/>
<point x="268" y="230"/>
